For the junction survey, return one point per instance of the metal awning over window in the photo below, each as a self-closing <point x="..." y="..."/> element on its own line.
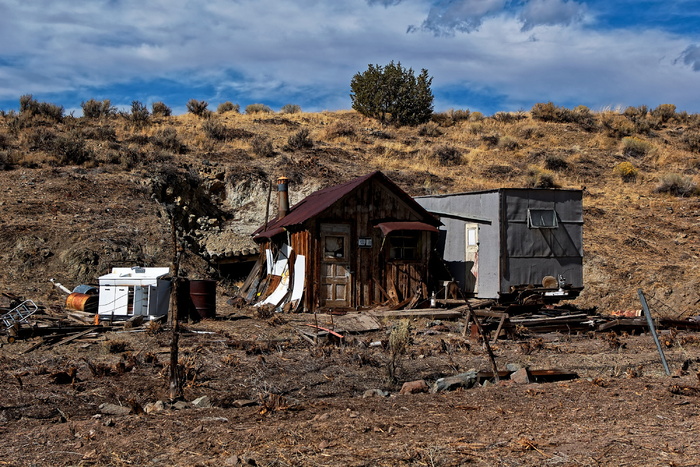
<point x="388" y="227"/>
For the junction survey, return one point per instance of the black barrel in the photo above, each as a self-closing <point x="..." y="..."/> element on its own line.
<point x="203" y="296"/>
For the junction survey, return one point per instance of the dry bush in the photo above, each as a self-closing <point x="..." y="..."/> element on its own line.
<point x="98" y="109"/>
<point x="616" y="125"/>
<point x="262" y="147"/>
<point x="626" y="171"/>
<point x="538" y="178"/>
<point x="530" y="132"/>
<point x="258" y="108"/>
<point x="100" y="133"/>
<point x="635" y="147"/>
<point x="664" y="112"/>
<point x="430" y="129"/>
<point x="340" y="128"/>
<point x="447" y="155"/>
<point x="228" y="107"/>
<point x="300" y="140"/>
<point x="167" y="138"/>
<point x="139" y="116"/>
<point x="476" y="117"/>
<point x="159" y="109"/>
<point x="399" y="340"/>
<point x="30" y="107"/>
<point x="691" y="140"/>
<point x="450" y="117"/>
<point x="508" y="117"/>
<point x="508" y="143"/>
<point x="198" y="108"/>
<point x="677" y="185"/>
<point x="290" y="109"/>
<point x="553" y="162"/>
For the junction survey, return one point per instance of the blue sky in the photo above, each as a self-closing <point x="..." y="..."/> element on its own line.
<point x="485" y="55"/>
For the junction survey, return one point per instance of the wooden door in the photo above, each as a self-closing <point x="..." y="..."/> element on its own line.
<point x="471" y="258"/>
<point x="336" y="285"/>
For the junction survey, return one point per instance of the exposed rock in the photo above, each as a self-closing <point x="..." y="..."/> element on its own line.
<point x="522" y="376"/>
<point x="374" y="393"/>
<point x="450" y="383"/>
<point x="414" y="387"/>
<point x="202" y="402"/>
<point x="113" y="409"/>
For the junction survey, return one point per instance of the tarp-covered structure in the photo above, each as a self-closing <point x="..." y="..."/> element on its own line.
<point x="499" y="242"/>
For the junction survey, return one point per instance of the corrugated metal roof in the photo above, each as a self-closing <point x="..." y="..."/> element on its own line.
<point x="319" y="201"/>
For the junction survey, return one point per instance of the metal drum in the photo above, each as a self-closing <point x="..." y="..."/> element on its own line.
<point x="82" y="302"/>
<point x="203" y="296"/>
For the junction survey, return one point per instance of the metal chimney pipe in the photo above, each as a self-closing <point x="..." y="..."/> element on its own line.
<point x="282" y="197"/>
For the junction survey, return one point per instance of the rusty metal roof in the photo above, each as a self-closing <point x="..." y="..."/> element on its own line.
<point x="319" y="201"/>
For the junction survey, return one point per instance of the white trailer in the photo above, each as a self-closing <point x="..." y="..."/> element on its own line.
<point x="127" y="292"/>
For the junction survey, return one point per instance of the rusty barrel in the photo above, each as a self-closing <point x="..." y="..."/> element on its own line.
<point x="203" y="296"/>
<point x="82" y="302"/>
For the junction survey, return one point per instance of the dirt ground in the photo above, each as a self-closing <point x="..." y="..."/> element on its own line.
<point x="309" y="407"/>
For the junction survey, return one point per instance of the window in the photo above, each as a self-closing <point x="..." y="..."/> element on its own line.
<point x="404" y="246"/>
<point x="334" y="247"/>
<point x="542" y="218"/>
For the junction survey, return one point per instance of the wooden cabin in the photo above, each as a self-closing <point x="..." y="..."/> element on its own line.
<point x="351" y="246"/>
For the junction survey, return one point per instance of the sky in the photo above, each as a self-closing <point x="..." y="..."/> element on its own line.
<point x="483" y="55"/>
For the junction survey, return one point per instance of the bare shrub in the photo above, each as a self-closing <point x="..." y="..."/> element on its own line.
<point x="553" y="162"/>
<point x="7" y="160"/>
<point x="198" y="108"/>
<point x="447" y="155"/>
<point x="215" y="130"/>
<point x="139" y="116"/>
<point x="159" y="109"/>
<point x="508" y="117"/>
<point x="228" y="107"/>
<point x="508" y="143"/>
<point x="31" y="107"/>
<point x="691" y="140"/>
<point x="258" y="108"/>
<point x="71" y="149"/>
<point x="430" y="129"/>
<point x="616" y="125"/>
<point x="399" y="340"/>
<point x="677" y="185"/>
<point x="538" y="178"/>
<point x="290" y="109"/>
<point x="262" y="147"/>
<point x="100" y="133"/>
<point x="41" y="139"/>
<point x="635" y="147"/>
<point x="664" y="112"/>
<point x="98" y="109"/>
<point x="546" y="112"/>
<point x="300" y="140"/>
<point x="340" y="128"/>
<point x="167" y="138"/>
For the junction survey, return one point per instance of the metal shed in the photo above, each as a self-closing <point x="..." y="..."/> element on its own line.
<point x="126" y="292"/>
<point x="497" y="243"/>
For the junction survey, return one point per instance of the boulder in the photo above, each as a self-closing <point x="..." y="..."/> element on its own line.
<point x="414" y="387"/>
<point x="450" y="383"/>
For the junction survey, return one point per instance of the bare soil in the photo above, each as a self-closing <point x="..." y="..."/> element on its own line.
<point x="309" y="405"/>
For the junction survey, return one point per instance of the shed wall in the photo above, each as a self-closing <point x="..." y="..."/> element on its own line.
<point x="484" y="208"/>
<point x="530" y="253"/>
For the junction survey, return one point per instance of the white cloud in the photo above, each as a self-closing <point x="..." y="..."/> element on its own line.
<point x="550" y="13"/>
<point x="307" y="51"/>
<point x="691" y="56"/>
<point x="447" y="16"/>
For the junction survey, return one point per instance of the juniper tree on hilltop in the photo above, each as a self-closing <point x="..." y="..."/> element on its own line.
<point x="393" y="94"/>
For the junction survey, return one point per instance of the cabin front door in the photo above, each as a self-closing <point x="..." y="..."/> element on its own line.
<point x="336" y="282"/>
<point x="471" y="258"/>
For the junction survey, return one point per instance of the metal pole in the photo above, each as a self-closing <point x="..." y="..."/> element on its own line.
<point x="650" y="322"/>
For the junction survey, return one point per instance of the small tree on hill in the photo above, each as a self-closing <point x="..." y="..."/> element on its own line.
<point x="393" y="94"/>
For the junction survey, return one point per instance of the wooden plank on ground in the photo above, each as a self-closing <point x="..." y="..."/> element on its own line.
<point x="431" y="313"/>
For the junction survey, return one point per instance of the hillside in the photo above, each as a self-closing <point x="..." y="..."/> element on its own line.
<point x="82" y="194"/>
